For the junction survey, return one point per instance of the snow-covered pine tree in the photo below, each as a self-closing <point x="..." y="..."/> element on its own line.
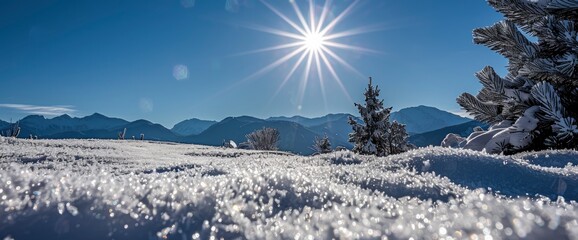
<point x="375" y="135"/>
<point x="536" y="105"/>
<point x="398" y="138"/>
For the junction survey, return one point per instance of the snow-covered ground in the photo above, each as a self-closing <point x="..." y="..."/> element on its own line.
<point x="104" y="189"/>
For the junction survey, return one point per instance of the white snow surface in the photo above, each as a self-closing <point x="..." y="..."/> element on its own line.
<point x="454" y="141"/>
<point x="117" y="189"/>
<point x="516" y="134"/>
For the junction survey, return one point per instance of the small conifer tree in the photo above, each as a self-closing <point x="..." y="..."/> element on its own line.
<point x="377" y="135"/>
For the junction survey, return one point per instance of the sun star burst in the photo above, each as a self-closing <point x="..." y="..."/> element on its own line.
<point x="313" y="44"/>
<point x="314" y="41"/>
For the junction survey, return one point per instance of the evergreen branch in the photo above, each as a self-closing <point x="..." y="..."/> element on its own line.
<point x="565" y="9"/>
<point x="484" y="112"/>
<point x="544" y="70"/>
<point x="567" y="64"/>
<point x="522" y="12"/>
<point x="564" y="127"/>
<point x="505" y="38"/>
<point x="559" y="4"/>
<point x="518" y="82"/>
<point x="549" y="100"/>
<point x="491" y="80"/>
<point x="557" y="36"/>
<point x="487" y="95"/>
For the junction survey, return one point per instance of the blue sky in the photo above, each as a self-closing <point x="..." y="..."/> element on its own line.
<point x="170" y="60"/>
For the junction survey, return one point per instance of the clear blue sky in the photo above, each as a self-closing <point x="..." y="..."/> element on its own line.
<point x="170" y="60"/>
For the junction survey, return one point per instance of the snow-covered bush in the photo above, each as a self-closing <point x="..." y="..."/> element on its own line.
<point x="264" y="139"/>
<point x="535" y="106"/>
<point x="453" y="140"/>
<point x="322" y="145"/>
<point x="377" y="136"/>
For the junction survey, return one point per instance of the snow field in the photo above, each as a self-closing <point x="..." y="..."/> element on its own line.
<point x="105" y="189"/>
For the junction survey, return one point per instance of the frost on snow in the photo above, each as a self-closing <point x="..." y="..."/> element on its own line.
<point x="102" y="189"/>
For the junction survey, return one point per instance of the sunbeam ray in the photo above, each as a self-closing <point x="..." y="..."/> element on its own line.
<point x="285" y="18"/>
<point x="349" y="47"/>
<point x="312" y="17"/>
<point x="290" y="74"/>
<point x="277" y="63"/>
<point x="276" y="32"/>
<point x="301" y="18"/>
<point x="305" y="79"/>
<point x="335" y="76"/>
<point x="268" y="49"/>
<point x="340" y="60"/>
<point x="355" y="31"/>
<point x="324" y="13"/>
<point x="332" y="24"/>
<point x="321" y="82"/>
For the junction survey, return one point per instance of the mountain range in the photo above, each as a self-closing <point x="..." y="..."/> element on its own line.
<point x="435" y="137"/>
<point x="423" y="119"/>
<point x="425" y="124"/>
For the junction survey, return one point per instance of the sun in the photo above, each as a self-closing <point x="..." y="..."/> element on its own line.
<point x="312" y="41"/>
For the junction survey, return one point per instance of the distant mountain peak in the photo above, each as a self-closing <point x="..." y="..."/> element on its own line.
<point x="309" y="122"/>
<point x="191" y="126"/>
<point x="63" y="116"/>
<point x="96" y="115"/>
<point x="244" y="119"/>
<point x="423" y="108"/>
<point x="33" y="117"/>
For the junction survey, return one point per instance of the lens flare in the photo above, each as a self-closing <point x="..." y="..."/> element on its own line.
<point x="180" y="72"/>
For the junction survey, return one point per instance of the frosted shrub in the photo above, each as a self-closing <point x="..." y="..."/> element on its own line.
<point x="264" y="139"/>
<point x="322" y="145"/>
<point x="122" y="134"/>
<point x="14" y="130"/>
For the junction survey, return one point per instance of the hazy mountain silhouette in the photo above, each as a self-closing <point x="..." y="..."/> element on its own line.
<point x="422" y="119"/>
<point x="310" y="122"/>
<point x="297" y="133"/>
<point x="435" y="137"/>
<point x="192" y="126"/>
<point x="294" y="137"/>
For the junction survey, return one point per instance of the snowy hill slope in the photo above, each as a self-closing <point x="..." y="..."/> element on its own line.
<point x="104" y="189"/>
